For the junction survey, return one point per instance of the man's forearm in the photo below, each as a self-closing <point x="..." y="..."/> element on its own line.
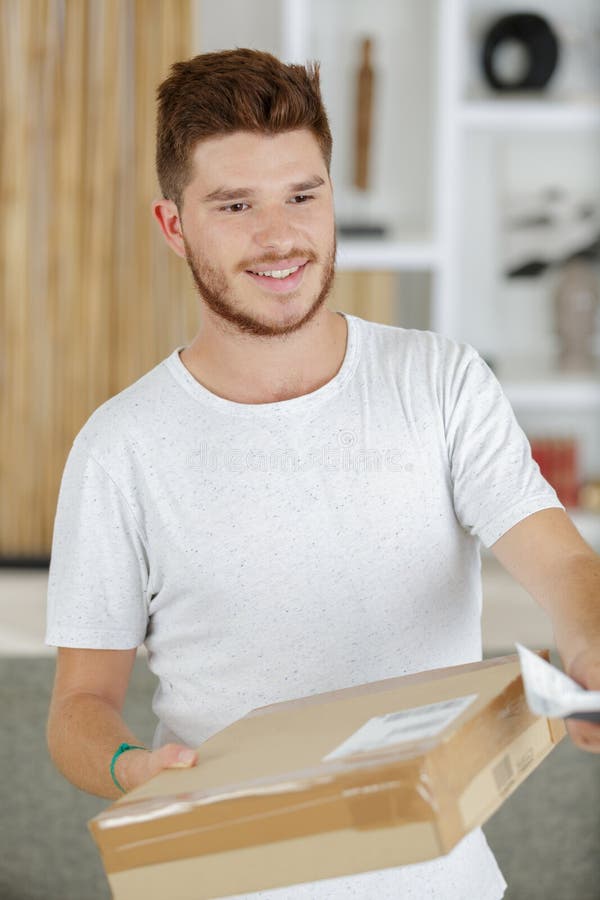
<point x="546" y="554"/>
<point x="573" y="604"/>
<point x="84" y="732"/>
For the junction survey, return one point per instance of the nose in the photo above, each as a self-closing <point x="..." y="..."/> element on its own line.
<point x="274" y="231"/>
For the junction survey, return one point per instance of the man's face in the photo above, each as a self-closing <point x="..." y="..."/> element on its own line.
<point x="260" y="203"/>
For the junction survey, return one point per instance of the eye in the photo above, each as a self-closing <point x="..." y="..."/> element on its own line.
<point x="231" y="207"/>
<point x="303" y="197"/>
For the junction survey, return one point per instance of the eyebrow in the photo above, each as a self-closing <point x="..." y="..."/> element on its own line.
<point x="222" y="193"/>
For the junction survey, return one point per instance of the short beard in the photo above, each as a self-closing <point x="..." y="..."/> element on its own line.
<point x="212" y="288"/>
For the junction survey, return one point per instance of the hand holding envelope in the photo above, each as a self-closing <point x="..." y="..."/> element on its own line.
<point x="552" y="693"/>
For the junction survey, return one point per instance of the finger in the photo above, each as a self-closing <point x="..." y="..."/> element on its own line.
<point x="585" y="735"/>
<point x="176" y="756"/>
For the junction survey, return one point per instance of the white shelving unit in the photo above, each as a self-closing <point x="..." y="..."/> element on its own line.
<point x="406" y="250"/>
<point x="513" y="146"/>
<point x="395" y="255"/>
<point x="523" y="115"/>
<point x="442" y="147"/>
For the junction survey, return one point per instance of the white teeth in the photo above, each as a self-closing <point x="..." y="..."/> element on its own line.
<point x="278" y="273"/>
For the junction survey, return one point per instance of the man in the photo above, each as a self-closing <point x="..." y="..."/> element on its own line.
<point x="295" y="502"/>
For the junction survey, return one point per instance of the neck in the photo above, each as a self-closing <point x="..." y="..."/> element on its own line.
<point x="249" y="369"/>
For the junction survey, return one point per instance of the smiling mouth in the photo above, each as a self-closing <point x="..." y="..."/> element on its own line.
<point x="279" y="280"/>
<point x="280" y="274"/>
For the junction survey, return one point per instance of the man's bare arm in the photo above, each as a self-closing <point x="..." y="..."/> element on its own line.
<point x="546" y="554"/>
<point x="85" y="725"/>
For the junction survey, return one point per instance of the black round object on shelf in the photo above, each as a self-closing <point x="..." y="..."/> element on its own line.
<point x="534" y="35"/>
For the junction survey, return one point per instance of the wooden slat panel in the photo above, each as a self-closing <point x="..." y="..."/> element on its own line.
<point x="80" y="315"/>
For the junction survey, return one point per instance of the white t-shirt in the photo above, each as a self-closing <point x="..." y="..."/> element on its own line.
<point x="265" y="552"/>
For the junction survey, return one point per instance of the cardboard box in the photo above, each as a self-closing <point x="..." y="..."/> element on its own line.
<point x="329" y="785"/>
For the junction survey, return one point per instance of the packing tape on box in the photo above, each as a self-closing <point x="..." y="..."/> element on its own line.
<point x="359" y="794"/>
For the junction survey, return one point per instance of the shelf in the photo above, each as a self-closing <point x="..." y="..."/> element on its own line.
<point x="552" y="393"/>
<point x="386" y="254"/>
<point x="529" y="115"/>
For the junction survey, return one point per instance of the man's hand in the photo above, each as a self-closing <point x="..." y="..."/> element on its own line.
<point x="585" y="669"/>
<point x="546" y="554"/>
<point x="135" y="767"/>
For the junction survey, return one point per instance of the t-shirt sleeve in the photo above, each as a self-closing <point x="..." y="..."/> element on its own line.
<point x="496" y="482"/>
<point x="99" y="573"/>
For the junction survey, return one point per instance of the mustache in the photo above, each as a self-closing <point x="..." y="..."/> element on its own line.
<point x="294" y="253"/>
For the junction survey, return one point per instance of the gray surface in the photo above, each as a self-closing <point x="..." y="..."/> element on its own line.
<point x="546" y="837"/>
<point x="46" y="850"/>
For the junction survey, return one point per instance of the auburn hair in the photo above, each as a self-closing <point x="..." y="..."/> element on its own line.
<point x="218" y="93"/>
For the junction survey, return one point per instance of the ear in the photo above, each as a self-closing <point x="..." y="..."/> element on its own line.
<point x="167" y="215"/>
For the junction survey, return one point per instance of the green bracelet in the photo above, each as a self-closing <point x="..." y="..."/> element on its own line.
<point x="121" y="749"/>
